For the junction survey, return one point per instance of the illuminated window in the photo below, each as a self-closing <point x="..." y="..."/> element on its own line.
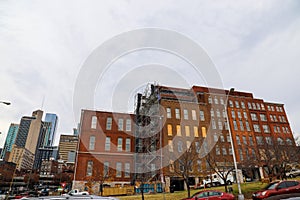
<point x="196" y="132"/>
<point x="170" y="132"/>
<point x="187" y="131"/>
<point x="203" y="132"/>
<point x="178" y="130"/>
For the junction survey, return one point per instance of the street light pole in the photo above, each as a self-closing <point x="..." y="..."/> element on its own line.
<point x="5" y="102"/>
<point x="240" y="195"/>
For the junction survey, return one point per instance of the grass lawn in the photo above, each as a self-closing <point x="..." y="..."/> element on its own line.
<point x="247" y="190"/>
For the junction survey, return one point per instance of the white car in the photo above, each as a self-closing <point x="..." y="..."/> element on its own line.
<point x="293" y="173"/>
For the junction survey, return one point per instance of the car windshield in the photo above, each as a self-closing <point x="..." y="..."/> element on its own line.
<point x="271" y="186"/>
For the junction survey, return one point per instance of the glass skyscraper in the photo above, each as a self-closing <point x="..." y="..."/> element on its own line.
<point x="10" y="139"/>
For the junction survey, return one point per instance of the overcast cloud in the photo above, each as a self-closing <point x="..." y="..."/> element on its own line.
<point x="255" y="46"/>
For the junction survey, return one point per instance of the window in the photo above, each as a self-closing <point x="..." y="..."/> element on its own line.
<point x="127" y="145"/>
<point x="245" y="115"/>
<point x="249" y="105"/>
<point x="120" y="144"/>
<point x="235" y="125"/>
<point x="120" y="124"/>
<point x="275" y="118"/>
<point x="216" y="100"/>
<point x="199" y="164"/>
<point x="202" y="115"/>
<point x="170" y="132"/>
<point x="271" y="118"/>
<point x="226" y="125"/>
<point x="259" y="140"/>
<point x="258" y="106"/>
<point x="238" y="141"/>
<point x="170" y="145"/>
<point x="180" y="146"/>
<point x="275" y="129"/>
<point x="89" y="168"/>
<point x="213" y="124"/>
<point x="253" y="117"/>
<point x="280" y="141"/>
<point x="194" y="117"/>
<point x="94" y="122"/>
<point x="220" y="124"/>
<point x="169" y="113"/>
<point x="233" y="114"/>
<point x="263" y="117"/>
<point x="188" y="145"/>
<point x="224" y="151"/>
<point x="289" y="141"/>
<point x="256" y="128"/>
<point x="128" y="124"/>
<point x="106" y="169"/>
<point x="224" y="114"/>
<point x="218" y="150"/>
<point x="196" y="132"/>
<point x="287" y="129"/>
<point x="187" y="131"/>
<point x="262" y="106"/>
<point x="239" y="115"/>
<point x="127" y="170"/>
<point x="251" y="140"/>
<point x="278" y="129"/>
<point x="185" y="114"/>
<point x="218" y="113"/>
<point x="283" y="129"/>
<point x="197" y="146"/>
<point x="108" y="123"/>
<point x="222" y="138"/>
<point x="266" y="129"/>
<point x="242" y="104"/>
<point x="118" y="169"/>
<point x="92" y="143"/>
<point x="244" y="140"/>
<point x="107" y="144"/>
<point x="177" y="113"/>
<point x="230" y="151"/>
<point x="178" y="130"/>
<point x="269" y="140"/>
<point x="212" y="113"/>
<point x="209" y="100"/>
<point x="203" y="132"/>
<point x="241" y="125"/>
<point x="241" y="154"/>
<point x="230" y="104"/>
<point x="216" y="137"/>
<point x="222" y="101"/>
<point x="254" y="106"/>
<point x="237" y="105"/>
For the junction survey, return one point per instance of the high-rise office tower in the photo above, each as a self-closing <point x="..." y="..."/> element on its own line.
<point x="50" y="136"/>
<point x="34" y="131"/>
<point x="23" y="131"/>
<point x="10" y="140"/>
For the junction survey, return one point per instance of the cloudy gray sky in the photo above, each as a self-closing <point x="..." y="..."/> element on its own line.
<point x="255" y="46"/>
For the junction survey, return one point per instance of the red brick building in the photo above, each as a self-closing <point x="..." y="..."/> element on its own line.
<point x="105" y="152"/>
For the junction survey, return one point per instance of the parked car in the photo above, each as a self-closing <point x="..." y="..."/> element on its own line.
<point x="278" y="188"/>
<point x="293" y="173"/>
<point x="75" y="192"/>
<point x="210" y="195"/>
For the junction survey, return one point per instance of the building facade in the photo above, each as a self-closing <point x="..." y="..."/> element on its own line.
<point x="105" y="151"/>
<point x="67" y="147"/>
<point x="197" y="117"/>
<point x="9" y="141"/>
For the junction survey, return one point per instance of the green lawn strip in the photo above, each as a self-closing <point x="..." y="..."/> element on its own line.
<point x="247" y="189"/>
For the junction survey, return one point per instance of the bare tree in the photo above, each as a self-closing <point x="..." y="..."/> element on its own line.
<point x="221" y="165"/>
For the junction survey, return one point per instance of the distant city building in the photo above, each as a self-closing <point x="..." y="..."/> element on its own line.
<point x="67" y="147"/>
<point x="10" y="140"/>
<point x="27" y="141"/>
<point x="23" y="131"/>
<point x="50" y="136"/>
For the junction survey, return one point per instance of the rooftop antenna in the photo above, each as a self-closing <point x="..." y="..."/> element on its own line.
<point x="43" y="102"/>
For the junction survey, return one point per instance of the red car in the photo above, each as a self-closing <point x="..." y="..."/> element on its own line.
<point x="211" y="195"/>
<point x="278" y="188"/>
